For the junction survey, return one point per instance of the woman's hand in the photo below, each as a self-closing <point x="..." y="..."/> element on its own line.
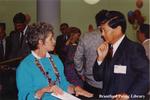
<point x="55" y="89"/>
<point x="69" y="41"/>
<point x="79" y="91"/>
<point x="71" y="89"/>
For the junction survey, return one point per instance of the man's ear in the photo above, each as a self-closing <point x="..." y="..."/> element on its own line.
<point x="118" y="28"/>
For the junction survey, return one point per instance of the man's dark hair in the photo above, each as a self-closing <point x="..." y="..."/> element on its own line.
<point x="114" y="19"/>
<point x="3" y="25"/>
<point x="19" y="18"/>
<point x="144" y="28"/>
<point x="38" y="31"/>
<point x="63" y="26"/>
<point x="100" y="16"/>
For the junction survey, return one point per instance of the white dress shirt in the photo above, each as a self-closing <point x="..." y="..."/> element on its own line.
<point x="38" y="57"/>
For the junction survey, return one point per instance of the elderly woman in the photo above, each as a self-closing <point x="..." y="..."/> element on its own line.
<point x="40" y="74"/>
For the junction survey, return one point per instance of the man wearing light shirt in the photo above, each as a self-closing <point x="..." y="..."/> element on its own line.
<point x="143" y="37"/>
<point x="125" y="73"/>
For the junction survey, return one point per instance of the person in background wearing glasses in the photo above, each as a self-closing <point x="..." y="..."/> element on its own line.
<point x="123" y="68"/>
<point x="41" y="73"/>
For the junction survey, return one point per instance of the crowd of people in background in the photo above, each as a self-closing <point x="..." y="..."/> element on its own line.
<point x="87" y="61"/>
<point x="13" y="48"/>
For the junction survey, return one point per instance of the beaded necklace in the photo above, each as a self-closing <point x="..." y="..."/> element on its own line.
<point x="46" y="74"/>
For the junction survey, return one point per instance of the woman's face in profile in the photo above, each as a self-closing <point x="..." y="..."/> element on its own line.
<point x="76" y="37"/>
<point x="50" y="42"/>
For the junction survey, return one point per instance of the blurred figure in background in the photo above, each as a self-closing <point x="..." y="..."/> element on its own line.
<point x="28" y="18"/>
<point x="61" y="41"/>
<point x="18" y="37"/>
<point x="7" y="77"/>
<point x="4" y="43"/>
<point x="86" y="55"/>
<point x="90" y="28"/>
<point x="143" y="35"/>
<point x="70" y="49"/>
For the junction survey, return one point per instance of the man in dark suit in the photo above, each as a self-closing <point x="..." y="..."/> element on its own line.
<point x="18" y="38"/>
<point x="61" y="41"/>
<point x="19" y="49"/>
<point x="124" y="69"/>
<point x="4" y="43"/>
<point x="4" y="53"/>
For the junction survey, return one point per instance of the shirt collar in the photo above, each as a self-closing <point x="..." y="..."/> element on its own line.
<point x="116" y="45"/>
<point x="38" y="57"/>
<point x="25" y="30"/>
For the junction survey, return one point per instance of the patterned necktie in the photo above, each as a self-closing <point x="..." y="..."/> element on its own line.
<point x="110" y="51"/>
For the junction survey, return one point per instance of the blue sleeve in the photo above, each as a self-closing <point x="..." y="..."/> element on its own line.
<point x="24" y="80"/>
<point x="63" y="82"/>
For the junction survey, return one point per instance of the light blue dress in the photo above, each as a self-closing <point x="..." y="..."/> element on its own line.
<point x="30" y="79"/>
